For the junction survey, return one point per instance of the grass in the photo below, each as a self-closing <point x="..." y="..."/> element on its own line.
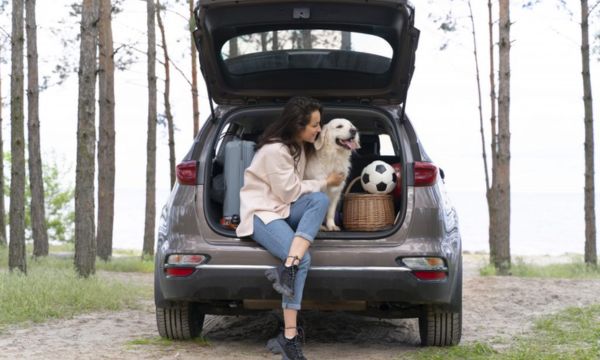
<point x="61" y="257"/>
<point x="52" y="289"/>
<point x="575" y="269"/>
<point x="571" y="334"/>
<point x="158" y="341"/>
<point x="126" y="264"/>
<point x="46" y="293"/>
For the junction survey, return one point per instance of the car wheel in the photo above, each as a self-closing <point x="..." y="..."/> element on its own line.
<point x="438" y="327"/>
<point x="442" y="326"/>
<point x="179" y="322"/>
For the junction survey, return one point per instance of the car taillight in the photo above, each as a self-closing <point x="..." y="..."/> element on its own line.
<point x="430" y="275"/>
<point x="425" y="173"/>
<point x="186" y="259"/>
<point x="179" y="272"/>
<point x="426" y="268"/>
<point x="180" y="265"/>
<point x="186" y="172"/>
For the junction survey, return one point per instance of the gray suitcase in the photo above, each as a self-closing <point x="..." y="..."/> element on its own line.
<point x="238" y="156"/>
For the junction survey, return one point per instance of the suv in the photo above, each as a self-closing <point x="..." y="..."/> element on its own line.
<point x="357" y="58"/>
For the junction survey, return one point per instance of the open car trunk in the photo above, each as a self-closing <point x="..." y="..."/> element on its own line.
<point x="379" y="139"/>
<point x="264" y="50"/>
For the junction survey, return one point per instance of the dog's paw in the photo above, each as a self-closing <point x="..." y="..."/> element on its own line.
<point x="332" y="227"/>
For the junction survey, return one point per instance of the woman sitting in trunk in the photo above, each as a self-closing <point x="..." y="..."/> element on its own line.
<point x="282" y="212"/>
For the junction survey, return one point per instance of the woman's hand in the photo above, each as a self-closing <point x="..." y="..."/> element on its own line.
<point x="335" y="178"/>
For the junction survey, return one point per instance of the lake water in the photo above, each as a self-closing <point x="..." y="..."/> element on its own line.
<point x="541" y="223"/>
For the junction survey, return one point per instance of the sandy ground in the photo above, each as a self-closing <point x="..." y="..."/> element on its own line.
<point x="494" y="310"/>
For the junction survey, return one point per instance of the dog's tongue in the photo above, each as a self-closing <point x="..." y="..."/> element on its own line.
<point x="350" y="144"/>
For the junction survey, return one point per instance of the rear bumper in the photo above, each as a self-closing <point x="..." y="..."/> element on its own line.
<point x="323" y="284"/>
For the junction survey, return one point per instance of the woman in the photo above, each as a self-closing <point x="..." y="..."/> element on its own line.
<point x="282" y="211"/>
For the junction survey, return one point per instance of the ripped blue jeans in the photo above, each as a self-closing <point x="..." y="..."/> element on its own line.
<point x="306" y="216"/>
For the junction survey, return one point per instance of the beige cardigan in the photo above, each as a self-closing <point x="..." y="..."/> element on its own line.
<point x="271" y="184"/>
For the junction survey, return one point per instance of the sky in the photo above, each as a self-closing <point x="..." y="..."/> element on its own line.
<point x="546" y="113"/>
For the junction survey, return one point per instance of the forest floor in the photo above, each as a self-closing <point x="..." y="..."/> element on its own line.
<point x="495" y="310"/>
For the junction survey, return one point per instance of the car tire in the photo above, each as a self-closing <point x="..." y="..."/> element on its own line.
<point x="180" y="321"/>
<point x="439" y="326"/>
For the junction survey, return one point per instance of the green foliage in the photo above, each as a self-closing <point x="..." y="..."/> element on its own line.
<point x="570" y="334"/>
<point x="126" y="264"/>
<point x="61" y="258"/>
<point x="488" y="270"/>
<point x="158" y="341"/>
<point x="474" y="351"/>
<point x="46" y="293"/>
<point x="58" y="201"/>
<point x="575" y="269"/>
<point x="52" y="289"/>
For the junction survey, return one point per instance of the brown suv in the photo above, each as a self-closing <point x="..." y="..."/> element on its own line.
<point x="357" y="58"/>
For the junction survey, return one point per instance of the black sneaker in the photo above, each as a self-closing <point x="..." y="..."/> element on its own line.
<point x="290" y="349"/>
<point x="283" y="278"/>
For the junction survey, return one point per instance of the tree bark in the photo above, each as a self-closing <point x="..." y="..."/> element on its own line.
<point x="346" y="41"/>
<point x="149" y="223"/>
<point x="590" y="254"/>
<point x="275" y="40"/>
<point x="306" y="39"/>
<point x="195" y="107"/>
<point x="36" y="182"/>
<point x="491" y="193"/>
<point x="106" y="136"/>
<point x="3" y="241"/>
<point x="480" y="102"/>
<point x="85" y="243"/>
<point x="263" y="41"/>
<point x="167" y="96"/>
<point x="500" y="224"/>
<point x="233" y="47"/>
<point x="16" y="249"/>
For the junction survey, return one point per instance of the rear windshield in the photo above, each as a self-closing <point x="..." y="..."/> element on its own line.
<point x="307" y="49"/>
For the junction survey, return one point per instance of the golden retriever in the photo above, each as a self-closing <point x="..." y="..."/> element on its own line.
<point x="334" y="146"/>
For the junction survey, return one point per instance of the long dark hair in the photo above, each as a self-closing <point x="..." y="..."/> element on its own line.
<point x="294" y="118"/>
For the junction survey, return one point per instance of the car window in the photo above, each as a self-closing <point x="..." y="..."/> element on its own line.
<point x="318" y="49"/>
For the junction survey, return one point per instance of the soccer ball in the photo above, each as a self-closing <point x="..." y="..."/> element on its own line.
<point x="378" y="178"/>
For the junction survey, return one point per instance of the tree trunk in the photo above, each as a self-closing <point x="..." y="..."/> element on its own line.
<point x="233" y="47"/>
<point x="491" y="190"/>
<point x="16" y="251"/>
<point x="306" y="39"/>
<point x="589" y="190"/>
<point x="263" y="41"/>
<point x="106" y="136"/>
<point x="85" y="243"/>
<point x="500" y="225"/>
<point x="346" y="41"/>
<point x="195" y="107"/>
<point x="3" y="241"/>
<point x="480" y="102"/>
<point x="275" y="41"/>
<point x="149" y="223"/>
<point x="167" y="96"/>
<point x="36" y="182"/>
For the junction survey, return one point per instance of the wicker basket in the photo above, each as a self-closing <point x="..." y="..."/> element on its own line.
<point x="367" y="212"/>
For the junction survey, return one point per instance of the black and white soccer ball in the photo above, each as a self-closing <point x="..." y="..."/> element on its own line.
<point x="378" y="177"/>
